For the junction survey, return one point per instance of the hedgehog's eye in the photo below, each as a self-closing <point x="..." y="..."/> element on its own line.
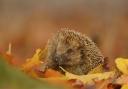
<point x="81" y="51"/>
<point x="70" y="50"/>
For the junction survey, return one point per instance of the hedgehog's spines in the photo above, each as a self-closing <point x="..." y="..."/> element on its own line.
<point x="88" y="52"/>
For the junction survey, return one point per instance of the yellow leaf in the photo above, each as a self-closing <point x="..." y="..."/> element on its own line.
<point x="98" y="69"/>
<point x="89" y="77"/>
<point x="122" y="65"/>
<point x="31" y="62"/>
<point x="124" y="87"/>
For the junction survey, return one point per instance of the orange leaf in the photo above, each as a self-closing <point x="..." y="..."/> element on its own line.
<point x="9" y="57"/>
<point x="52" y="73"/>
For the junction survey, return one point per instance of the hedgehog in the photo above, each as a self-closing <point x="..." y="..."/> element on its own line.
<point x="73" y="51"/>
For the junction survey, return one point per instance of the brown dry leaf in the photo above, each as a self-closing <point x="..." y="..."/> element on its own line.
<point x="113" y="86"/>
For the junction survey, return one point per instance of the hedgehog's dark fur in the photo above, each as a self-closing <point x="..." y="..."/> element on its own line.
<point x="73" y="51"/>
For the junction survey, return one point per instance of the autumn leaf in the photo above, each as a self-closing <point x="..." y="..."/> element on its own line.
<point x="89" y="77"/>
<point x="123" y="79"/>
<point x="9" y="57"/>
<point x="125" y="87"/>
<point x="122" y="65"/>
<point x="32" y="62"/>
<point x="31" y="66"/>
<point x="52" y="73"/>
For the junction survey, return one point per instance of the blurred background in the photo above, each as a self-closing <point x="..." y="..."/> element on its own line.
<point x="28" y="24"/>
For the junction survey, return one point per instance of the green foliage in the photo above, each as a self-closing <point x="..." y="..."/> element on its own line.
<point x="12" y="78"/>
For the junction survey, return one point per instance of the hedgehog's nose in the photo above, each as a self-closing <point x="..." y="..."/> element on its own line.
<point x="58" y="59"/>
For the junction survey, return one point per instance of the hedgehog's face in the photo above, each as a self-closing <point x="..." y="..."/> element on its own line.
<point x="68" y="54"/>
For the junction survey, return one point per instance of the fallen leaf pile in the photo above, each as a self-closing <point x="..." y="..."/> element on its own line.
<point x="29" y="75"/>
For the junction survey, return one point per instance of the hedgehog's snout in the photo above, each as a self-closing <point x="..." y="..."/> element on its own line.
<point x="61" y="59"/>
<point x="58" y="59"/>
